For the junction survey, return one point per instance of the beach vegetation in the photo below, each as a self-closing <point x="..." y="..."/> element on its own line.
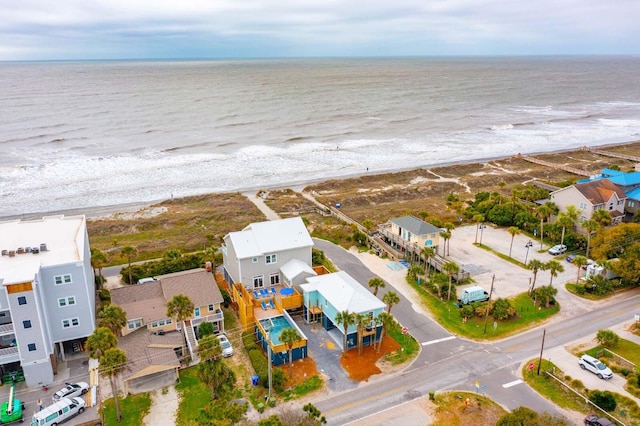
<point x="166" y="265"/>
<point x="318" y="258"/>
<point x="465" y="408"/>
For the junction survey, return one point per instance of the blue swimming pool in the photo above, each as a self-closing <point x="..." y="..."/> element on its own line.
<point x="274" y="327"/>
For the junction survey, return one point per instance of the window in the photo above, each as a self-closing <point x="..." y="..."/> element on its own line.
<point x="583" y="206"/>
<point x="631" y="203"/>
<point x="134" y="323"/>
<point x="66" y="301"/>
<point x="212" y="308"/>
<point x="72" y="322"/>
<point x="196" y="312"/>
<point x="274" y="279"/>
<point x="270" y="258"/>
<point x="22" y="300"/>
<point x="26" y="323"/>
<point x="258" y="281"/>
<point x="62" y="279"/>
<point x="254" y="260"/>
<point x="32" y="347"/>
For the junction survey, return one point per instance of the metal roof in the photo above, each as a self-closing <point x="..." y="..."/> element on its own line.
<point x="415" y="226"/>
<point x="273" y="236"/>
<point x="343" y="292"/>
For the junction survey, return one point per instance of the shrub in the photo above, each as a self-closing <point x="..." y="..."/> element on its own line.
<point x="607" y="338"/>
<point x="467" y="311"/>
<point x="481" y="310"/>
<point x="603" y="399"/>
<point x="580" y="289"/>
<point x="502" y="309"/>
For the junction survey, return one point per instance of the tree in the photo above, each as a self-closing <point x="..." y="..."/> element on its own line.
<point x="129" y="253"/>
<point x="535" y="265"/>
<point x="113" y="317"/>
<point x="98" y="260"/>
<point x="502" y="309"/>
<point x="111" y="363"/>
<point x="209" y="348"/>
<point x="345" y="318"/>
<point x="101" y="340"/>
<point x="604" y="400"/>
<point x="362" y="320"/>
<point x="450" y="268"/>
<point x="579" y="262"/>
<point x="391" y="298"/>
<point x="478" y="219"/>
<point x="445" y="236"/>
<point x="554" y="267"/>
<point x="205" y="329"/>
<point x="544" y="212"/>
<point x="545" y="293"/>
<point x="180" y="307"/>
<point x="567" y="219"/>
<point x="590" y="226"/>
<point x="602" y="217"/>
<point x="385" y="320"/>
<point x="290" y="337"/>
<point x="449" y="227"/>
<point x="427" y="253"/>
<point x="218" y="376"/>
<point x="607" y="338"/>
<point x="513" y="230"/>
<point x="314" y="414"/>
<point x="376" y="284"/>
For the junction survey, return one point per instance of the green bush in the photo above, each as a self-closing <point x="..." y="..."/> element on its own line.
<point x="502" y="309"/>
<point x="467" y="311"/>
<point x="607" y="338"/>
<point x="603" y="399"/>
<point x="104" y="295"/>
<point x="580" y="289"/>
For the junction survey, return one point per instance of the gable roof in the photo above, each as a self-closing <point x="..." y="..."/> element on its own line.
<point x="295" y="267"/>
<point x="269" y="237"/>
<point x="626" y="179"/>
<point x="599" y="191"/>
<point x="149" y="301"/>
<point x="634" y="194"/>
<point x="415" y="226"/>
<point x="343" y="292"/>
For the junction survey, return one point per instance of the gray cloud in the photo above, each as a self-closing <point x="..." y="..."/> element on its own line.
<point x="75" y="29"/>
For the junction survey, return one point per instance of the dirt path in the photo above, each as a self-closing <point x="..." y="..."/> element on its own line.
<point x="260" y="204"/>
<point x="164" y="407"/>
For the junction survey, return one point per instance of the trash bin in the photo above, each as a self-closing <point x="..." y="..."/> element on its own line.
<point x="254" y="380"/>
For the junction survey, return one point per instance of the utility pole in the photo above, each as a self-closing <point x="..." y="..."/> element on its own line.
<point x="486" y="313"/>
<point x="544" y="331"/>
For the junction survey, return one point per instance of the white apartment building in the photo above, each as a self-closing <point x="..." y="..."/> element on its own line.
<point x="47" y="294"/>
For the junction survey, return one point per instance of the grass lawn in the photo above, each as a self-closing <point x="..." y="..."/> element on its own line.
<point x="193" y="396"/>
<point x="448" y="316"/>
<point x="410" y="346"/>
<point x="133" y="409"/>
<point x="625" y="348"/>
<point x="573" y="289"/>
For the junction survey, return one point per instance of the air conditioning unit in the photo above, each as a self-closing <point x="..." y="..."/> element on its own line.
<point x="43" y="247"/>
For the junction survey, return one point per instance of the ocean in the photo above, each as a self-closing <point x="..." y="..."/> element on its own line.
<point x="76" y="135"/>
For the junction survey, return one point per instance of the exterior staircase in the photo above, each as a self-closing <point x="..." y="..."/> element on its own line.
<point x="192" y="343"/>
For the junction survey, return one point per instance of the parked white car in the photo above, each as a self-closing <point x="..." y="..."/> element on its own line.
<point x="558" y="249"/>
<point x="227" y="349"/>
<point x="595" y="366"/>
<point x="71" y="390"/>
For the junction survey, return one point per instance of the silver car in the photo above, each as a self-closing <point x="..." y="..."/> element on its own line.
<point x="225" y="344"/>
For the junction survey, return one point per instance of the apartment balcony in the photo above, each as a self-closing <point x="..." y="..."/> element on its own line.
<point x="6" y="329"/>
<point x="216" y="317"/>
<point x="9" y="355"/>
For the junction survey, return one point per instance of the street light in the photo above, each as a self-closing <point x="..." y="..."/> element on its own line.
<point x="528" y="246"/>
<point x="481" y="232"/>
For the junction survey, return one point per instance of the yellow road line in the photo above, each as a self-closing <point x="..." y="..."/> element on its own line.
<point x="362" y="401"/>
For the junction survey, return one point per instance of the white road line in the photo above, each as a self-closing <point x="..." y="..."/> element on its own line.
<point x="515" y="382"/>
<point x="444" y="339"/>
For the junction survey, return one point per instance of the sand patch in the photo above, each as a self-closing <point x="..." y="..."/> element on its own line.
<point x="164" y="407"/>
<point x="144" y="213"/>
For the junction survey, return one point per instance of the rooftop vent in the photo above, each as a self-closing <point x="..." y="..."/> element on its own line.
<point x="43" y="247"/>
<point x="20" y="250"/>
<point x="27" y="249"/>
<point x="35" y="250"/>
<point x="12" y="253"/>
<point x="5" y="252"/>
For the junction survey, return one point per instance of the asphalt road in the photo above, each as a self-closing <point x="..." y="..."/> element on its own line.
<point x="448" y="362"/>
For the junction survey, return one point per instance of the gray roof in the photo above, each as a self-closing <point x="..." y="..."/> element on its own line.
<point x="343" y="292"/>
<point x="269" y="237"/>
<point x="144" y="301"/>
<point x="415" y="226"/>
<point x="197" y="284"/>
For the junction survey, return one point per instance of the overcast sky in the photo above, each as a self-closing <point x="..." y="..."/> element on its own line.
<point x="126" y="29"/>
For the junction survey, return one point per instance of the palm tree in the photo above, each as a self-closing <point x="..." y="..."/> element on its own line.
<point x="553" y="266"/>
<point x="100" y="341"/>
<point x="544" y="212"/>
<point x="579" y="262"/>
<point x="209" y="348"/>
<point x="290" y="337"/>
<point x="376" y="284"/>
<point x="590" y="226"/>
<point x="391" y="298"/>
<point x="98" y="260"/>
<point x="129" y="252"/>
<point x="546" y="292"/>
<point x="361" y="320"/>
<point x="111" y="363"/>
<point x="451" y="268"/>
<point x="535" y="265"/>
<point x="513" y="230"/>
<point x="385" y="320"/>
<point x="567" y="219"/>
<point x="601" y="216"/>
<point x="113" y="317"/>
<point x="445" y="236"/>
<point x="180" y="307"/>
<point x="427" y="253"/>
<point x="345" y="318"/>
<point x="478" y="219"/>
<point x="449" y="227"/>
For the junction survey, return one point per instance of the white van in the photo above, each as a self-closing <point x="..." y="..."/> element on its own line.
<point x="59" y="412"/>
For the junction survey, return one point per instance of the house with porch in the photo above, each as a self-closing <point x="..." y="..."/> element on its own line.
<point x="409" y="235"/>
<point x="629" y="182"/>
<point x="326" y="295"/>
<point x="146" y="305"/>
<point x="587" y="197"/>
